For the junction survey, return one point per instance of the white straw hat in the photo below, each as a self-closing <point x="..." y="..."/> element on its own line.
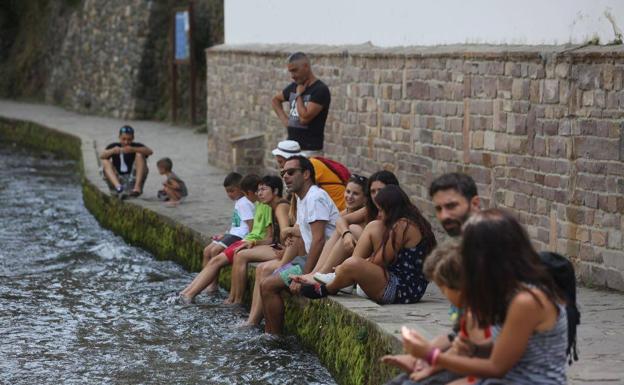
<point x="287" y="149"/>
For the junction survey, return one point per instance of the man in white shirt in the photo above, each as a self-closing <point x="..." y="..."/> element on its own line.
<point x="316" y="221"/>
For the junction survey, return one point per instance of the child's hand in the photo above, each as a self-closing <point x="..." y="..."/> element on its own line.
<point x="286" y="233"/>
<point x="463" y="346"/>
<point x="217" y="237"/>
<point x="295" y="287"/>
<point x="348" y="242"/>
<point x="243" y="246"/>
<point x="414" y="343"/>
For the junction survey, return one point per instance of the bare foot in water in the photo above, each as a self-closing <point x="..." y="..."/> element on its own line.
<point x="179" y="299"/>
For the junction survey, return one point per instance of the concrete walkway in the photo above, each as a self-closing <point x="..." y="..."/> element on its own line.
<point x="207" y="210"/>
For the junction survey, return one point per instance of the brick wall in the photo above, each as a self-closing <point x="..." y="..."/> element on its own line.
<point x="538" y="128"/>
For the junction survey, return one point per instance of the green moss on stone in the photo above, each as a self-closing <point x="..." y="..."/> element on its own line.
<point x="349" y="345"/>
<point x="142" y="227"/>
<point x="40" y="138"/>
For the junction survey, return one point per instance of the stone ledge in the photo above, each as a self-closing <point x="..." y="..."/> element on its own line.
<point x="459" y="51"/>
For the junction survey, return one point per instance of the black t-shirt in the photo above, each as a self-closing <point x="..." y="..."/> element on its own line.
<point x="310" y="136"/>
<point x="128" y="158"/>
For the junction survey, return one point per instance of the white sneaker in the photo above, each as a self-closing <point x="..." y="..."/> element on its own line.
<point x="360" y="292"/>
<point x="328" y="278"/>
<point x="325" y="278"/>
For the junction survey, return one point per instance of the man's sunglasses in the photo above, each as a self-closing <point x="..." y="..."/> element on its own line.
<point x="290" y="171"/>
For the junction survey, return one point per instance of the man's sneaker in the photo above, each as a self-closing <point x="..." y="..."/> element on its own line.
<point x="325" y="278"/>
<point x="316" y="291"/>
<point x="328" y="278"/>
<point x="118" y="192"/>
<point x="162" y="196"/>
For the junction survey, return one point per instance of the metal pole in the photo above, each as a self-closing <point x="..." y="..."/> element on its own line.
<point x="174" y="73"/>
<point x="192" y="60"/>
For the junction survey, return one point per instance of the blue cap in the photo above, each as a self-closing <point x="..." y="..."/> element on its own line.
<point x="126" y="130"/>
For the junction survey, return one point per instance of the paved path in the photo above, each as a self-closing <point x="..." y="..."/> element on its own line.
<point x="207" y="209"/>
<point x="601" y="335"/>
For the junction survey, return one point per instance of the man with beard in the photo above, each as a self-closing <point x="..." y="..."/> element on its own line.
<point x="454" y="198"/>
<point x="316" y="221"/>
<point x="309" y="100"/>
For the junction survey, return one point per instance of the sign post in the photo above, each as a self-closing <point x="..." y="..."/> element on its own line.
<point x="183" y="52"/>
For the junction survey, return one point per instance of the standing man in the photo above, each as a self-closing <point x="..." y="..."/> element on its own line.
<point x="309" y="100"/>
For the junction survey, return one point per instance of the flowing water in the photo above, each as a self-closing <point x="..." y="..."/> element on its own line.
<point x="79" y="306"/>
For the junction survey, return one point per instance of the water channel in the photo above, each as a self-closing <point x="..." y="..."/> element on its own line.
<point x="80" y="306"/>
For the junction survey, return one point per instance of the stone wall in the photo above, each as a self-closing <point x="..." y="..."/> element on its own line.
<point x="97" y="70"/>
<point x="537" y="127"/>
<point x="102" y="57"/>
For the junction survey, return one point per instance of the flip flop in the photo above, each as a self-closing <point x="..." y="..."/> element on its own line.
<point x="134" y="193"/>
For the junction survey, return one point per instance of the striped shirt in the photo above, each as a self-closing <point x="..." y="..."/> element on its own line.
<point x="543" y="361"/>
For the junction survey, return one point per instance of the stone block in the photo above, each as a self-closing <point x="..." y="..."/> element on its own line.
<point x="596" y="148"/>
<point x="477" y="142"/>
<point x="417" y="90"/>
<point x="520" y="89"/>
<point x="614" y="241"/>
<point x="536" y="70"/>
<point x="588" y="76"/>
<point x="588" y="254"/>
<point x="588" y="98"/>
<point x="613" y="259"/>
<point x="551" y="91"/>
<point x="582" y="235"/>
<point x="615" y="279"/>
<point x="599" y="238"/>
<point x="621" y="143"/>
<point x="562" y="70"/>
<point x="489" y="140"/>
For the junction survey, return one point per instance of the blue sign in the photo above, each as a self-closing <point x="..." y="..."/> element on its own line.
<point x="182" y="28"/>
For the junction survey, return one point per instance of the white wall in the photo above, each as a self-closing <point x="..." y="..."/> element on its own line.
<point x="421" y="22"/>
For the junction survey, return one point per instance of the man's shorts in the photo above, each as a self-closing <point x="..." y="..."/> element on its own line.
<point x="127" y="180"/>
<point x="293" y="268"/>
<point x="229" y="251"/>
<point x="228" y="240"/>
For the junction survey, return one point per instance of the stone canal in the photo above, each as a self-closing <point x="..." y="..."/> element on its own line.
<point x="80" y="306"/>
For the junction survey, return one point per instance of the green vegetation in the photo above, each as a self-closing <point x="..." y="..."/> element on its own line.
<point x="30" y="32"/>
